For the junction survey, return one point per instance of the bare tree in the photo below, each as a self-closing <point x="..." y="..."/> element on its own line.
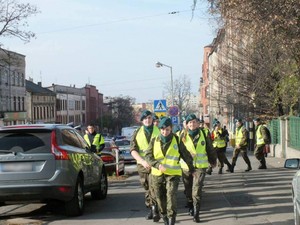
<point x="13" y="19"/>
<point x="182" y="93"/>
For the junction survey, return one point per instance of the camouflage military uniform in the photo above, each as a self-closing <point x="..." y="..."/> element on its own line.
<point x="166" y="186"/>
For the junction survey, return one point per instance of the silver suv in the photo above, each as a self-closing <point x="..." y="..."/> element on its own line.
<point x="49" y="162"/>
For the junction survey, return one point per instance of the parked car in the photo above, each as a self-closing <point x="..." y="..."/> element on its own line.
<point x="109" y="157"/>
<point x="124" y="147"/>
<point x="295" y="164"/>
<point x="49" y="162"/>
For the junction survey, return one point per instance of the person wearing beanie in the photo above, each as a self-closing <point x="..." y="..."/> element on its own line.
<point x="138" y="145"/>
<point x="200" y="147"/>
<point x="241" y="145"/>
<point x="219" y="143"/>
<point x="163" y="155"/>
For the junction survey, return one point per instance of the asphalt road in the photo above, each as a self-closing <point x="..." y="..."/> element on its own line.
<point x="258" y="197"/>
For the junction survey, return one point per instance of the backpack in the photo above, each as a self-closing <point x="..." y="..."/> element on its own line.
<point x="268" y="133"/>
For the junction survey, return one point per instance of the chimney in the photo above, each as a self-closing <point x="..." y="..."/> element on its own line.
<point x="40" y="84"/>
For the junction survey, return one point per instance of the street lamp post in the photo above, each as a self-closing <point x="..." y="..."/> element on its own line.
<point x="159" y="64"/>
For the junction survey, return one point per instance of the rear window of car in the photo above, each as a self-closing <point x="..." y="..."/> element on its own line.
<point x="26" y="141"/>
<point x="122" y="143"/>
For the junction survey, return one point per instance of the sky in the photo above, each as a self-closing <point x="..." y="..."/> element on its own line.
<point x="115" y="44"/>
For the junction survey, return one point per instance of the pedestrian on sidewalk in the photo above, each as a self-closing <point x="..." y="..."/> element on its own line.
<point x="241" y="145"/>
<point x="198" y="143"/>
<point x="138" y="145"/>
<point x="94" y="139"/>
<point x="261" y="139"/>
<point x="163" y="155"/>
<point x="219" y="143"/>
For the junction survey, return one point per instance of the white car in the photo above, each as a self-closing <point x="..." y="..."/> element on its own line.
<point x="295" y="164"/>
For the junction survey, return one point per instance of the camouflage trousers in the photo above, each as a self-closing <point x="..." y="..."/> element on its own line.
<point x="146" y="182"/>
<point x="166" y="187"/>
<point x="243" y="151"/>
<point x="259" y="154"/>
<point x="193" y="185"/>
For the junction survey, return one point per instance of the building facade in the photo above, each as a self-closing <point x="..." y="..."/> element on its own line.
<point x="40" y="103"/>
<point x="12" y="88"/>
<point x="70" y="104"/>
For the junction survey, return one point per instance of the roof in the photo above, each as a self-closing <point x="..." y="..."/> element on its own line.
<point x="38" y="89"/>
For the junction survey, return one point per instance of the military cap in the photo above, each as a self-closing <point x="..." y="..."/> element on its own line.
<point x="239" y="120"/>
<point x="216" y="123"/>
<point x="155" y="117"/>
<point x="144" y="114"/>
<point x="190" y="117"/>
<point x="256" y="119"/>
<point x="164" y="122"/>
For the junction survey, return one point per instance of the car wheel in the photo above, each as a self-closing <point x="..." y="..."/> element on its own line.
<point x="101" y="192"/>
<point x="75" y="207"/>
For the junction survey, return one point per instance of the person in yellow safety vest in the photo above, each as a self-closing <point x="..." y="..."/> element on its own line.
<point x="138" y="145"/>
<point x="95" y="140"/>
<point x="241" y="145"/>
<point x="163" y="155"/>
<point x="261" y="139"/>
<point x="155" y="120"/>
<point x="203" y="127"/>
<point x="219" y="144"/>
<point x="200" y="147"/>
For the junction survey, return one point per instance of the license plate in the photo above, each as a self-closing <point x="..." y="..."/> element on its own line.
<point x="16" y="167"/>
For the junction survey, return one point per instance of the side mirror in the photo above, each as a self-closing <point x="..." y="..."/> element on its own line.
<point x="292" y="163"/>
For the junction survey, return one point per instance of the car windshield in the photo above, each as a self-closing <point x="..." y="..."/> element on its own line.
<point x="25" y="141"/>
<point x="123" y="143"/>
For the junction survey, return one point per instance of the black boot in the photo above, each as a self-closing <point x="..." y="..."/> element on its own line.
<point x="156" y="216"/>
<point x="149" y="216"/>
<point x="166" y="220"/>
<point x="248" y="168"/>
<point x="196" y="218"/>
<point x="220" y="170"/>
<point x="172" y="220"/>
<point x="191" y="208"/>
<point x="232" y="168"/>
<point x="209" y="171"/>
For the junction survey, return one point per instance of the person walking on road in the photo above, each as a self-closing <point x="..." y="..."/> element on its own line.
<point x="200" y="147"/>
<point x="219" y="143"/>
<point x="163" y="155"/>
<point x="261" y="139"/>
<point x="94" y="140"/>
<point x="139" y="143"/>
<point x="241" y="145"/>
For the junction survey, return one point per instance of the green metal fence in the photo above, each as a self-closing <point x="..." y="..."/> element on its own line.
<point x="294" y="132"/>
<point x="274" y="127"/>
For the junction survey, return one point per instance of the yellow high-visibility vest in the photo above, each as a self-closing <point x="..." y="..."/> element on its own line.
<point x="141" y="139"/>
<point x="218" y="142"/>
<point x="200" y="159"/>
<point x="259" y="137"/>
<point x="170" y="161"/>
<point x="239" y="135"/>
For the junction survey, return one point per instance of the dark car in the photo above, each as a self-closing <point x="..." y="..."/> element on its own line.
<point x="49" y="162"/>
<point x="124" y="147"/>
<point x="110" y="155"/>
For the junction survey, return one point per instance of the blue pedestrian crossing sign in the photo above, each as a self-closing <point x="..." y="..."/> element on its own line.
<point x="160" y="105"/>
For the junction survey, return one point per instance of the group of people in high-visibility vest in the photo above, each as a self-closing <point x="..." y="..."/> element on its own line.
<point x="164" y="157"/>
